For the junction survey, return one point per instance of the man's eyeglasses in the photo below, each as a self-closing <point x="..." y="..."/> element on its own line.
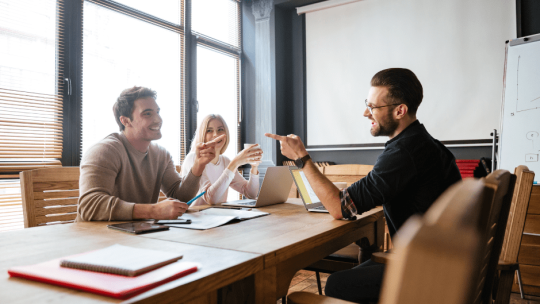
<point x="371" y="108"/>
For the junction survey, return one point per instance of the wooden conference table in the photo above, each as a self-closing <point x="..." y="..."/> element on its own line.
<point x="251" y="261"/>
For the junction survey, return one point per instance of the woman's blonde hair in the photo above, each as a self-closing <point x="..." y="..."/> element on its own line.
<point x="200" y="134"/>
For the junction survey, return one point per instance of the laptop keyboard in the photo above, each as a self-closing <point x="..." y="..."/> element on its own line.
<point x="319" y="208"/>
<point x="247" y="203"/>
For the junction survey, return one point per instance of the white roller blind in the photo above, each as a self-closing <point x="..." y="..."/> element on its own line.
<point x="456" y="48"/>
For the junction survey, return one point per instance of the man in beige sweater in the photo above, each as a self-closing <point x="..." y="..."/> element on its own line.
<point x="122" y="174"/>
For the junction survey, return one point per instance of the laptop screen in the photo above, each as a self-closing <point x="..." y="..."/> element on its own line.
<point x="307" y="193"/>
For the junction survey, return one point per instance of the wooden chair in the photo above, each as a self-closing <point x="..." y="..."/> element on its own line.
<point x="502" y="183"/>
<point x="49" y="196"/>
<point x="347" y="173"/>
<point x="435" y="256"/>
<point x="352" y="255"/>
<point x="508" y="265"/>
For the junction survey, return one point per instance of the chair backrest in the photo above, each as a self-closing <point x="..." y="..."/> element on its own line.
<point x="49" y="195"/>
<point x="347" y="173"/>
<point x="517" y="214"/>
<point x="502" y="183"/>
<point x="436" y="256"/>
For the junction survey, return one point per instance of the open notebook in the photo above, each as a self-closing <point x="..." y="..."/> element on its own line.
<point x="214" y="217"/>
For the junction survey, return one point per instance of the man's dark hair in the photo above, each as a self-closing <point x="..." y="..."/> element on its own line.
<point x="403" y="87"/>
<point x="124" y="104"/>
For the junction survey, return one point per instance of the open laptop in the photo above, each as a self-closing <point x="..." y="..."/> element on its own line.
<point x="275" y="189"/>
<point x="309" y="198"/>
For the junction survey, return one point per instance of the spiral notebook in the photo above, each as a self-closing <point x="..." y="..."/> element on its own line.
<point x="122" y="260"/>
<point x="112" y="285"/>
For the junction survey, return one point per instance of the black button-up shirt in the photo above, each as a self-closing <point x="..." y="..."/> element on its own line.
<point x="411" y="173"/>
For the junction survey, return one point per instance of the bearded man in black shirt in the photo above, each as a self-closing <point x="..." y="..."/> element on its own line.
<point x="410" y="174"/>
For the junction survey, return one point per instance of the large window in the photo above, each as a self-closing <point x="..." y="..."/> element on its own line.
<point x="63" y="65"/>
<point x="216" y="26"/>
<point x="217" y="75"/>
<point x="135" y="43"/>
<point x="122" y="51"/>
<point x="30" y="96"/>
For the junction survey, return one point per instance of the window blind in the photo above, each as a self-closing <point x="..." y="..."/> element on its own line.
<point x="11" y="214"/>
<point x="217" y="20"/>
<point x="30" y="85"/>
<point x="31" y="82"/>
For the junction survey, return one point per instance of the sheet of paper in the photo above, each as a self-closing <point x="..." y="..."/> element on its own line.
<point x="239" y="214"/>
<point x="201" y="221"/>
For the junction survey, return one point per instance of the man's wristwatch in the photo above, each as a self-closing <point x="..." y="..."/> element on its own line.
<point x="302" y="161"/>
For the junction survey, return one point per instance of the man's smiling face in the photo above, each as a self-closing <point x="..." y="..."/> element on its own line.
<point x="382" y="120"/>
<point x="146" y="122"/>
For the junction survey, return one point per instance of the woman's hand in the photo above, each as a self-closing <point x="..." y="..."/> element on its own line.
<point x="255" y="165"/>
<point x="204" y="153"/>
<point x="251" y="155"/>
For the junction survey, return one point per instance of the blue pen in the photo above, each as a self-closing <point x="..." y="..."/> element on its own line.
<point x="196" y="197"/>
<point x="534" y="183"/>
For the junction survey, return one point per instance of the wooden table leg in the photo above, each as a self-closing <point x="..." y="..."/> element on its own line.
<point x="242" y="291"/>
<point x="265" y="286"/>
<point x="210" y="298"/>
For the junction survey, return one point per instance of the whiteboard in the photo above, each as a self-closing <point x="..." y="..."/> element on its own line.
<point x="520" y="130"/>
<point x="456" y="48"/>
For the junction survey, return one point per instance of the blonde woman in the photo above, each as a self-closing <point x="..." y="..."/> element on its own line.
<point x="222" y="173"/>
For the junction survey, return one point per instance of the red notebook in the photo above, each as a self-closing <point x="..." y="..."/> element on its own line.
<point x="112" y="285"/>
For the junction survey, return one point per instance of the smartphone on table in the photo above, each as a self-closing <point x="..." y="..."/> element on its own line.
<point x="176" y="221"/>
<point x="138" y="227"/>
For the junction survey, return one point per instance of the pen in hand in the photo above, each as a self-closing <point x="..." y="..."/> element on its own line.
<point x="196" y="197"/>
<point x="188" y="203"/>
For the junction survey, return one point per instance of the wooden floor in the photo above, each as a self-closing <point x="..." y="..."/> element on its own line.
<point x="306" y="281"/>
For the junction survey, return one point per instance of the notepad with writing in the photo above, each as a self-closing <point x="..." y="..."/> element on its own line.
<point x="121" y="260"/>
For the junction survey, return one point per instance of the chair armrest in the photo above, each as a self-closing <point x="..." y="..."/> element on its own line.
<point x="503" y="265"/>
<point x="381" y="257"/>
<point x="301" y="297"/>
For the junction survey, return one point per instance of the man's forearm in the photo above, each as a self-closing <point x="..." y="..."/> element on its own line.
<point x="143" y="211"/>
<point x="327" y="192"/>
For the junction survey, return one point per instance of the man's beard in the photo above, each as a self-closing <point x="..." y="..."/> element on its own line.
<point x="388" y="128"/>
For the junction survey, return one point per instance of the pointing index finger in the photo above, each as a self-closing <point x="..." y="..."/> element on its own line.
<point x="276" y="137"/>
<point x="214" y="141"/>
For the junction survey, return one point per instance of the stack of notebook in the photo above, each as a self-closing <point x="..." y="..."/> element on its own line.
<point x="116" y="271"/>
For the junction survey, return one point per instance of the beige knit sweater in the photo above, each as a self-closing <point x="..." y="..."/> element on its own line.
<point x="115" y="176"/>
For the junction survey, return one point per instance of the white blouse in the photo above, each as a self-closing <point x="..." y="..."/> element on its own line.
<point x="216" y="180"/>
